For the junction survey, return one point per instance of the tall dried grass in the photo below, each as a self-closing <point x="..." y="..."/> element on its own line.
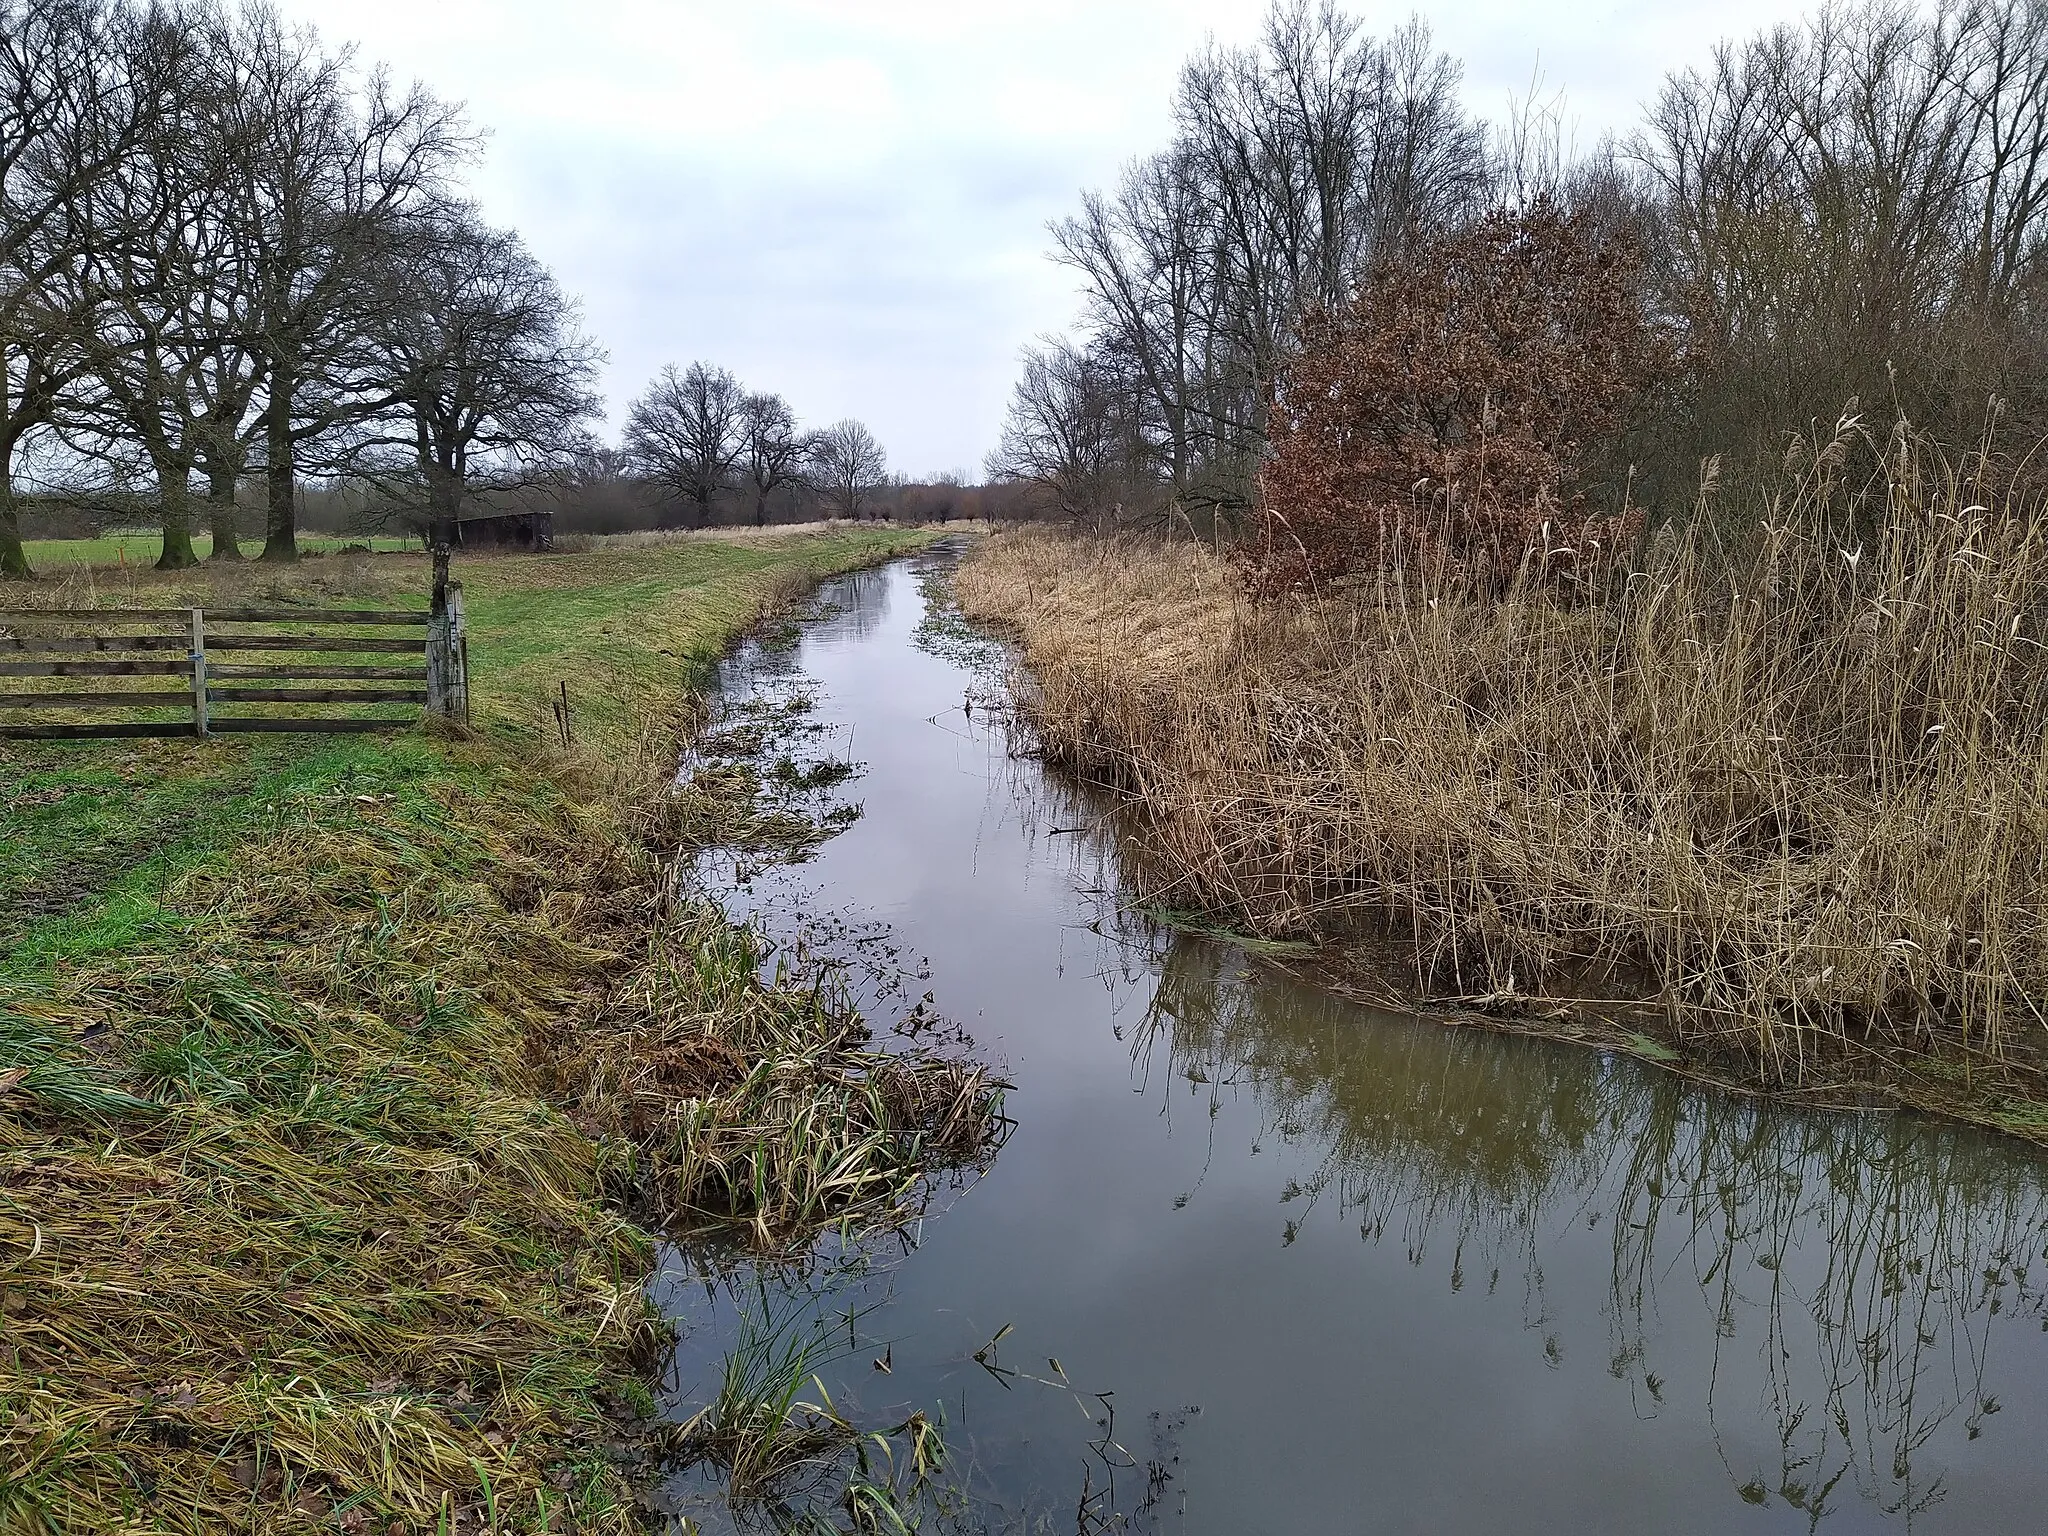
<point x="1796" y="800"/>
<point x="289" y="1237"/>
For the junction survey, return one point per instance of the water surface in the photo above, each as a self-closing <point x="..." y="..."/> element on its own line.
<point x="1337" y="1270"/>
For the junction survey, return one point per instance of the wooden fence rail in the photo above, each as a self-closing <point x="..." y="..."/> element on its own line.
<point x="90" y="654"/>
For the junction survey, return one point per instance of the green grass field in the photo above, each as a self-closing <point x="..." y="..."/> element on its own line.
<point x="90" y="833"/>
<point x="140" y="547"/>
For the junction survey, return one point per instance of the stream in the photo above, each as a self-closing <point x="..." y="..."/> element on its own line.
<point x="1263" y="1260"/>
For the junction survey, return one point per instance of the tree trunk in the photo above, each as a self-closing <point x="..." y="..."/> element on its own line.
<point x="14" y="564"/>
<point x="443" y="558"/>
<point x="444" y="502"/>
<point x="444" y="523"/>
<point x="760" y="509"/>
<point x="174" y="496"/>
<point x="221" y="481"/>
<point x="280" y="514"/>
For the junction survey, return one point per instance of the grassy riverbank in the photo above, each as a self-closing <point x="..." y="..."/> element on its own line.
<point x="331" y="1072"/>
<point x="1780" y="823"/>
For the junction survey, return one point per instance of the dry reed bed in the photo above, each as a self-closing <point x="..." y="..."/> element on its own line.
<point x="1798" y="803"/>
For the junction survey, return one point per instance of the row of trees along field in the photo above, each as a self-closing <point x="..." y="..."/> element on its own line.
<point x="231" y="256"/>
<point x="226" y="252"/>
<point x="1846" y="211"/>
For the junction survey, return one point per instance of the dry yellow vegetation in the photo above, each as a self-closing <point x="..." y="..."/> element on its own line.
<point x="1789" y="805"/>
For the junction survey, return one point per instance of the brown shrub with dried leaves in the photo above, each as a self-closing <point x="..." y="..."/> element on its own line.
<point x="1452" y="411"/>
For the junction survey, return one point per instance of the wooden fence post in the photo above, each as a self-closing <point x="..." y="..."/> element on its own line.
<point x="447" y="645"/>
<point x="438" y="668"/>
<point x="199" y="720"/>
<point x="458" y="656"/>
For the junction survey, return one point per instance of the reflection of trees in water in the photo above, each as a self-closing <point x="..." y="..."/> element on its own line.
<point x="853" y="606"/>
<point x="847" y="608"/>
<point x="1846" y="1273"/>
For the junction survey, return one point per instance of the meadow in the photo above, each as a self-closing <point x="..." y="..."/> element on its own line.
<point x="137" y="548"/>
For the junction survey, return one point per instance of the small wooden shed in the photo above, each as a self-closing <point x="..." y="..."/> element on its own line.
<point x="533" y="531"/>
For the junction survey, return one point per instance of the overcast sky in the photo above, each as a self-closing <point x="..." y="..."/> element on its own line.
<point x="845" y="200"/>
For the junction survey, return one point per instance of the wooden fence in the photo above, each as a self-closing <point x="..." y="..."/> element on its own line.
<point x="200" y="672"/>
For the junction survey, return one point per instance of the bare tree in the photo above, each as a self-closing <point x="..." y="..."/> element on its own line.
<point x="229" y="375"/>
<point x="1071" y="432"/>
<point x="170" y="350"/>
<point x="772" y="453"/>
<point x="331" y="163"/>
<point x="67" y="117"/>
<point x="483" y="362"/>
<point x="1296" y="164"/>
<point x="1145" y="256"/>
<point x="848" y="467"/>
<point x="684" y="433"/>
<point x="1856" y="208"/>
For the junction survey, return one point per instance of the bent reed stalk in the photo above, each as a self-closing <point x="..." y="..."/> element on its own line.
<point x="1795" y="800"/>
<point x="788" y="1460"/>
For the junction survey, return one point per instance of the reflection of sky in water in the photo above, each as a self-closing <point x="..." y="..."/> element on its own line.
<point x="1413" y="1278"/>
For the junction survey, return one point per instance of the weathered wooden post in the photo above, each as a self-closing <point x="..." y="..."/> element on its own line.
<point x="437" y="666"/>
<point x="441" y="642"/>
<point x="198" y="658"/>
<point x="458" y="656"/>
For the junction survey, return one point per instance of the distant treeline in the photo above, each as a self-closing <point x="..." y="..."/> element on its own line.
<point x="627" y="503"/>
<point x="615" y="504"/>
<point x="699" y="448"/>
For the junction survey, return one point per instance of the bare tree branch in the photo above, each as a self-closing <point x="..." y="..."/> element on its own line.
<point x="848" y="467"/>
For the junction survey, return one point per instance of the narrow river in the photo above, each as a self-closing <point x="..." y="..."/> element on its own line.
<point x="1335" y="1270"/>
